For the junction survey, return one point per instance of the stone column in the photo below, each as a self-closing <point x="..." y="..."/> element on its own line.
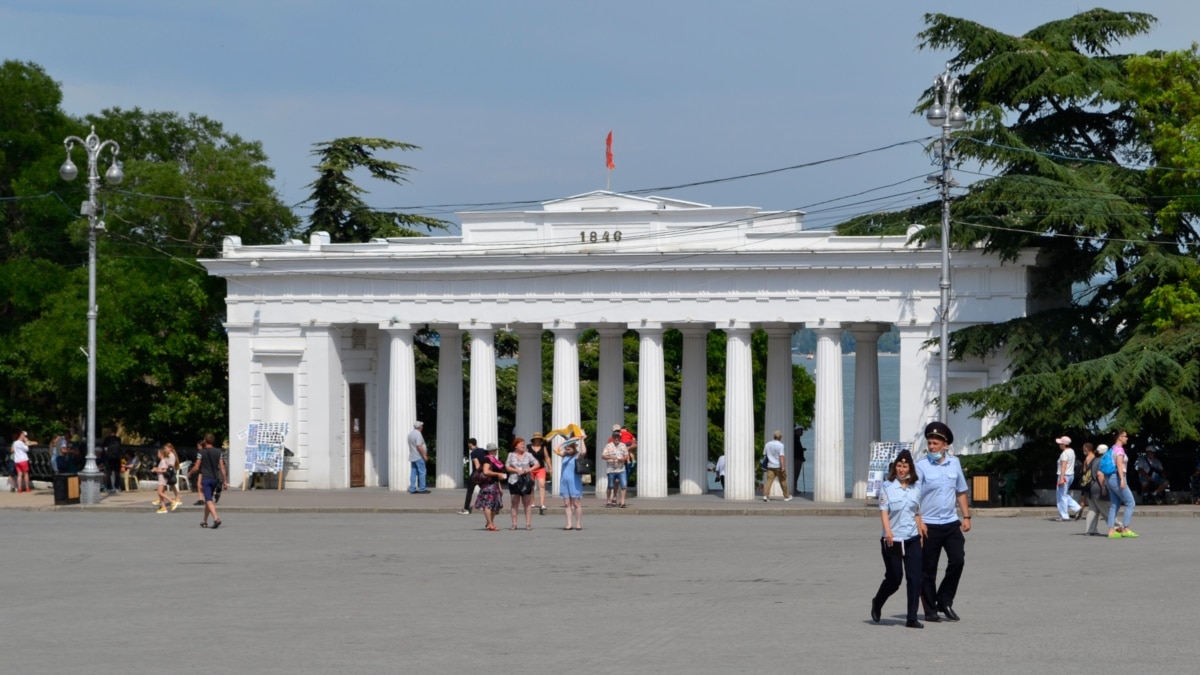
<point x="693" y="413"/>
<point x="484" y="426"/>
<point x="779" y="414"/>
<point x="829" y="466"/>
<point x="610" y="399"/>
<point x="866" y="400"/>
<point x="652" y="413"/>
<point x="740" y="471"/>
<point x="529" y="381"/>
<point x="565" y="407"/>
<point x="450" y="444"/>
<point x="402" y="401"/>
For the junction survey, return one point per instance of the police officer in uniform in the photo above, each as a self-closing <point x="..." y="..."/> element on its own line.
<point x="942" y="487"/>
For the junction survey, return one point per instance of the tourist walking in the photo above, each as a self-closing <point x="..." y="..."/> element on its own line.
<point x="520" y="465"/>
<point x="160" y="472"/>
<point x="900" y="543"/>
<point x="213" y="477"/>
<point x="538" y="449"/>
<point x="490" y="499"/>
<point x="1068" y="508"/>
<point x="942" y="487"/>
<point x="475" y="455"/>
<point x="20" y="462"/>
<point x="571" y="480"/>
<point x="776" y="467"/>
<point x="1095" y="493"/>
<point x="615" y="455"/>
<point x="172" y="477"/>
<point x="1114" y="466"/>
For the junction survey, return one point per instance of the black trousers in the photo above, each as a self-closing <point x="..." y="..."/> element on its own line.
<point x="896" y="567"/>
<point x="470" y="491"/>
<point x="948" y="537"/>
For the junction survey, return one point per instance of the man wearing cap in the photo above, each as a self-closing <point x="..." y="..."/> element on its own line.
<point x="1068" y="508"/>
<point x="1150" y="476"/>
<point x="416" y="459"/>
<point x="942" y="485"/>
<point x="615" y="454"/>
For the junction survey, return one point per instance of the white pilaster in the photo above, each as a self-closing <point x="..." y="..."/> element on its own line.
<point x="529" y="381"/>
<point x="610" y="399"/>
<point x="740" y="472"/>
<point x="652" y="412"/>
<point x="450" y="445"/>
<point x="779" y="414"/>
<point x="484" y="425"/>
<point x="565" y="407"/>
<point x="918" y="383"/>
<point x="240" y="415"/>
<point x="866" y="400"/>
<point x="402" y="401"/>
<point x="693" y="413"/>
<point x="829" y="438"/>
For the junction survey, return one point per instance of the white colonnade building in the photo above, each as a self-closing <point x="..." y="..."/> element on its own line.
<point x="321" y="335"/>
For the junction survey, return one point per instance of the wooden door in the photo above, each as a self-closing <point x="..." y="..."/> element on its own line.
<point x="358" y="435"/>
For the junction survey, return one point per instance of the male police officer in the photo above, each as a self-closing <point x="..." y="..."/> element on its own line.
<point x="942" y="484"/>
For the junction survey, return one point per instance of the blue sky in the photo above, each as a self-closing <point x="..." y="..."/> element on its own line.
<point x="511" y="100"/>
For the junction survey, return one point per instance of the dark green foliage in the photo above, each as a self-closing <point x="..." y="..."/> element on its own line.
<point x="161" y="354"/>
<point x="1061" y="122"/>
<point x="338" y="207"/>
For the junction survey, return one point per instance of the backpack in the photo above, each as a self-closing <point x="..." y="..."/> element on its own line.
<point x="1108" y="465"/>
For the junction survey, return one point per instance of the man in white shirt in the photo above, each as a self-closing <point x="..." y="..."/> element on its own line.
<point x="776" y="467"/>
<point x="416" y="459"/>
<point x="1068" y="508"/>
<point x="615" y="454"/>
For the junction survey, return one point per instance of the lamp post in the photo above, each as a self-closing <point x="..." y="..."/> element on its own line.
<point x="945" y="113"/>
<point x="90" y="476"/>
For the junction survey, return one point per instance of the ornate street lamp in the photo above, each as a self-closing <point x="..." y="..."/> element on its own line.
<point x="90" y="476"/>
<point x="945" y="113"/>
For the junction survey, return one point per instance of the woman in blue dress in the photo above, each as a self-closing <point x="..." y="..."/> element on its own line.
<point x="899" y="509"/>
<point x="571" y="481"/>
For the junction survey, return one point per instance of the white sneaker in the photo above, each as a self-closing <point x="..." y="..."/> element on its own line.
<point x="787" y="499"/>
<point x="464" y="512"/>
<point x="766" y="499"/>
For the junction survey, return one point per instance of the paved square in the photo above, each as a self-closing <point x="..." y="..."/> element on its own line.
<point x="295" y="592"/>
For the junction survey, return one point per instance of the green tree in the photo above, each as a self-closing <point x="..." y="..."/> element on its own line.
<point x="1065" y="126"/>
<point x="161" y="352"/>
<point x="338" y="207"/>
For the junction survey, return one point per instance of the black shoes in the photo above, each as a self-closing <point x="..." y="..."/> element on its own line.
<point x="933" y="618"/>
<point x="951" y="615"/>
<point x="876" y="610"/>
<point x="914" y="624"/>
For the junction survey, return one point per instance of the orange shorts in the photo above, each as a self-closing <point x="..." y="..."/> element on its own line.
<point x="539" y="473"/>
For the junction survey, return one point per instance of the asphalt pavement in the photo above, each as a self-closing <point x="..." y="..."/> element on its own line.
<point x="371" y="581"/>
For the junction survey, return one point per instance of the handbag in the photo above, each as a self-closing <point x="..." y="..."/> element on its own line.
<point x="763" y="463"/>
<point x="583" y="465"/>
<point x="478" y="477"/>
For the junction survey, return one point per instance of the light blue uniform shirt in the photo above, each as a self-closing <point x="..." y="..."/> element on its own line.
<point x="940" y="485"/>
<point x="902" y="506"/>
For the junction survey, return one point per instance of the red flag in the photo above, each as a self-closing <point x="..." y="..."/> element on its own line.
<point x="608" y="160"/>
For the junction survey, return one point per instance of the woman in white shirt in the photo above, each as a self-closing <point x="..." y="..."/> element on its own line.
<point x="900" y="543"/>
<point x="20" y="453"/>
